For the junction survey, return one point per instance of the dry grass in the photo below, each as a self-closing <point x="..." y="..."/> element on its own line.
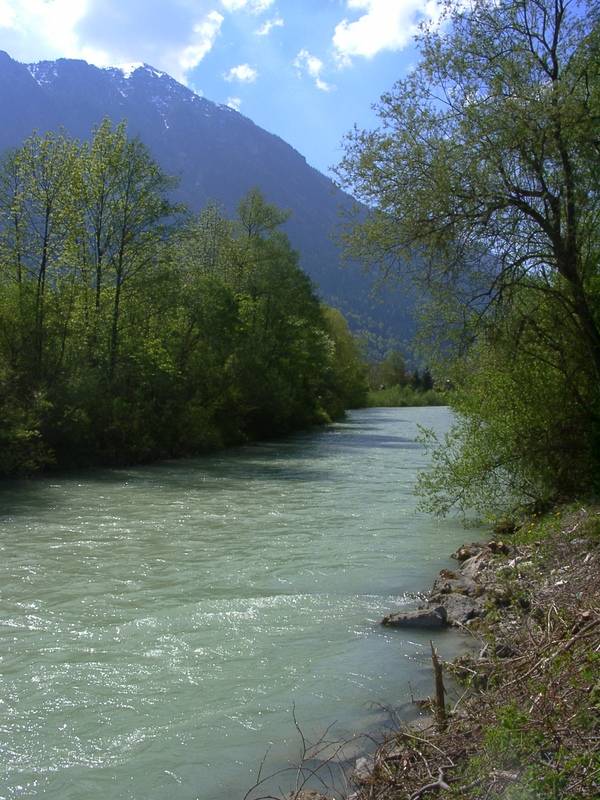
<point x="530" y="726"/>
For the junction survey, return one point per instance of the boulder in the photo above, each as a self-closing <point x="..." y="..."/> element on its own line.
<point x="501" y="595"/>
<point x="431" y="617"/>
<point x="448" y="573"/>
<point x="467" y="551"/>
<point x="460" y="609"/>
<point x="472" y="567"/>
<point x="459" y="584"/>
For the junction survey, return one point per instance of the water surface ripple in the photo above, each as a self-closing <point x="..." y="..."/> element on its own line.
<point x="157" y="623"/>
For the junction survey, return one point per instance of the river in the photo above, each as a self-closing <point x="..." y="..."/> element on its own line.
<point x="157" y="623"/>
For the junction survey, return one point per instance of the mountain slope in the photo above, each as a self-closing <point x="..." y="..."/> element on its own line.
<point x="217" y="153"/>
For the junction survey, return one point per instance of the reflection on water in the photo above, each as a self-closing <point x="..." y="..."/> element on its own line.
<point x="157" y="623"/>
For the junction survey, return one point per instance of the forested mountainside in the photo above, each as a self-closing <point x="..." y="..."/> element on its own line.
<point x="216" y="153"/>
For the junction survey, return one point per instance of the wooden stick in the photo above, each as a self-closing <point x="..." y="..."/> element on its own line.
<point x="440" y="700"/>
<point x="436" y="786"/>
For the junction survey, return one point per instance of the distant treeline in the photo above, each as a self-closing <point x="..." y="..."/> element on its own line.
<point x="391" y="383"/>
<point x="131" y="331"/>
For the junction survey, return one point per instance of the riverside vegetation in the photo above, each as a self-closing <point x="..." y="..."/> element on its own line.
<point x="525" y="723"/>
<point x="486" y="165"/>
<point x="132" y="331"/>
<point x="392" y="384"/>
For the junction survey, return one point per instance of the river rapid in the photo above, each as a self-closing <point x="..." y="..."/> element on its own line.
<point x="158" y="623"/>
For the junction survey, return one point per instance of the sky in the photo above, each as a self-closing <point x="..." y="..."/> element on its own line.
<point x="306" y="70"/>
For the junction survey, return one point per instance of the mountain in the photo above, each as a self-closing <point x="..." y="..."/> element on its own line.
<point x="217" y="154"/>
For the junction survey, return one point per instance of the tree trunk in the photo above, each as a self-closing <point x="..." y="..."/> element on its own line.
<point x="114" y="333"/>
<point x="440" y="692"/>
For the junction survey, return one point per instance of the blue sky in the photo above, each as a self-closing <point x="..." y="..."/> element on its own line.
<point x="307" y="70"/>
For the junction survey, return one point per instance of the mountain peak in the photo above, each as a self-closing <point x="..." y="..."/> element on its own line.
<point x="217" y="153"/>
<point x="128" y="70"/>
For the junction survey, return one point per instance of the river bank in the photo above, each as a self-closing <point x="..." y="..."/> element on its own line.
<point x="528" y="722"/>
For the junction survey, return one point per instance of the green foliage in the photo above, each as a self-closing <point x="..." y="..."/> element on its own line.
<point x="403" y="396"/>
<point x="542" y="771"/>
<point x="590" y="529"/>
<point x="485" y="165"/>
<point x="508" y="743"/>
<point x="127" y="334"/>
<point x="391" y="384"/>
<point x="22" y="449"/>
<point x="346" y="381"/>
<point x="391" y="372"/>
<point x="524" y="434"/>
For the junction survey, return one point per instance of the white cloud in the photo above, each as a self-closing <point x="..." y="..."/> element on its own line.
<point x="205" y="33"/>
<point x="47" y="26"/>
<point x="243" y="73"/>
<point x="7" y="15"/>
<point x="306" y="62"/>
<point x="267" y="26"/>
<point x="253" y="6"/>
<point x="384" y="25"/>
<point x="234" y="102"/>
<point x="173" y="36"/>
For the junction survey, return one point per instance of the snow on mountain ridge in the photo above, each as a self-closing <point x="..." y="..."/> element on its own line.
<point x="128" y="69"/>
<point x="39" y="74"/>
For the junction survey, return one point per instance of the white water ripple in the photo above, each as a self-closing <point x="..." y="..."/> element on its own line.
<point x="158" y="623"/>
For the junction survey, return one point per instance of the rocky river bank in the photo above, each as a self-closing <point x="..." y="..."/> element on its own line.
<point x="527" y="724"/>
<point x="462" y="596"/>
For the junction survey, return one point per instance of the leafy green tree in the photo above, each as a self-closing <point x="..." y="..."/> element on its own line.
<point x="126" y="336"/>
<point x="258" y="218"/>
<point x="37" y="208"/>
<point x="22" y="448"/>
<point x="426" y="380"/>
<point x="522" y="435"/>
<point x="483" y="177"/>
<point x="347" y="384"/>
<point x="126" y="208"/>
<point x="284" y="348"/>
<point x="393" y="370"/>
<point x="205" y="246"/>
<point x="490" y="147"/>
<point x="270" y="349"/>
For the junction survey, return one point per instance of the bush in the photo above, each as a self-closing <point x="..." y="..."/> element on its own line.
<point x="404" y="396"/>
<point x="525" y="431"/>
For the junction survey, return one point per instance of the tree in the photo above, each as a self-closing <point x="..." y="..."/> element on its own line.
<point x="257" y="217"/>
<point x="125" y="336"/>
<point x="393" y="370"/>
<point x="126" y="208"/>
<point x="37" y="210"/>
<point x="426" y="380"/>
<point x="251" y="335"/>
<point x="346" y="382"/>
<point x="522" y="435"/>
<point x="284" y="348"/>
<point x="491" y="146"/>
<point x="484" y="176"/>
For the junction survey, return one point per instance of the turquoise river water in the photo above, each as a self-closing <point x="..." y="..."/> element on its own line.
<point x="158" y="623"/>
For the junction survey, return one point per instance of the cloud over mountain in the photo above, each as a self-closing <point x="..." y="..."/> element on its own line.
<point x="383" y="25"/>
<point x="175" y="36"/>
